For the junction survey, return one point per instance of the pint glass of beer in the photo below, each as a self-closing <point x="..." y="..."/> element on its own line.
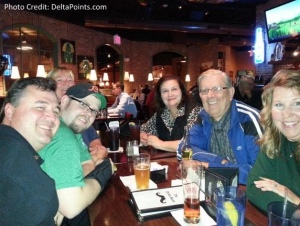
<point x="141" y="164"/>
<point x="191" y="183"/>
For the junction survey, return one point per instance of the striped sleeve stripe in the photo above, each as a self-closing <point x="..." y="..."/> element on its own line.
<point x="246" y="107"/>
<point x="251" y="113"/>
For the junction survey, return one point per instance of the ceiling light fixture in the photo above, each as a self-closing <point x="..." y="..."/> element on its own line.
<point x="24" y="45"/>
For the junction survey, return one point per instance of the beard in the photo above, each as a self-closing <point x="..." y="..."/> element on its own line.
<point x="77" y="128"/>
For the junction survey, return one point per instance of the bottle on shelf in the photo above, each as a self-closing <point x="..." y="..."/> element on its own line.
<point x="186" y="150"/>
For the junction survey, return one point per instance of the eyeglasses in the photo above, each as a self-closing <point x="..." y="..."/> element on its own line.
<point x="214" y="90"/>
<point x="85" y="106"/>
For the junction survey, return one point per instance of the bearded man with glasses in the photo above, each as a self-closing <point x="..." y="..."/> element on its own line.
<point x="226" y="131"/>
<point x="78" y="178"/>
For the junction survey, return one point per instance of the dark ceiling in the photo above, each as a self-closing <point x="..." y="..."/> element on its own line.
<point x="162" y="20"/>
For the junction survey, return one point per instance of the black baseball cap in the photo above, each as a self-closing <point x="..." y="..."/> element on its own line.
<point x="85" y="89"/>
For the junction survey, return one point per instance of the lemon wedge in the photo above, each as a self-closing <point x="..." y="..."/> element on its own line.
<point x="232" y="213"/>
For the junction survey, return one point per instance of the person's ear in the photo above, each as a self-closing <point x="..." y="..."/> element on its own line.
<point x="64" y="101"/>
<point x="231" y="92"/>
<point x="9" y="111"/>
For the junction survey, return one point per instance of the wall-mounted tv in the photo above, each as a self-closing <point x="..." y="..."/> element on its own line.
<point x="283" y="22"/>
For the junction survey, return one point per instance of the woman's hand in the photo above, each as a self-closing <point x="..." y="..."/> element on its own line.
<point x="143" y="138"/>
<point x="155" y="142"/>
<point x="266" y="184"/>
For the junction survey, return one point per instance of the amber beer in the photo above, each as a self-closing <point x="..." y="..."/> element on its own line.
<point x="142" y="176"/>
<point x="141" y="164"/>
<point x="191" y="183"/>
<point x="187" y="153"/>
<point x="192" y="210"/>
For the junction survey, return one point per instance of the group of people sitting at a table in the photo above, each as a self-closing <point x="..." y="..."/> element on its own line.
<point x="49" y="177"/>
<point x="265" y="145"/>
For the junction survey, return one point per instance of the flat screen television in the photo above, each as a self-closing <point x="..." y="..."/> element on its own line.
<point x="283" y="22"/>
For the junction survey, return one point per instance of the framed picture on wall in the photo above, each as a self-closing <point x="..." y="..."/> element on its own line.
<point x="67" y="51"/>
<point x="85" y="65"/>
<point x="205" y="66"/>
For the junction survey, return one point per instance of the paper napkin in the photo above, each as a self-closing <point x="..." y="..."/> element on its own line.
<point x="129" y="181"/>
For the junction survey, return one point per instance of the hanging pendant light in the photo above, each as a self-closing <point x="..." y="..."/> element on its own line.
<point x="126" y="76"/>
<point x="15" y="72"/>
<point x="187" y="78"/>
<point x="131" y="78"/>
<point x="41" y="71"/>
<point x="150" y="77"/>
<point x="105" y="77"/>
<point x="93" y="75"/>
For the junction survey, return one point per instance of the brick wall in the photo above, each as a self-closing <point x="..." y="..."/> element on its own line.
<point x="140" y="53"/>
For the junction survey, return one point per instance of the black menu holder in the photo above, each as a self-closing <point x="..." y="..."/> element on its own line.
<point x="216" y="177"/>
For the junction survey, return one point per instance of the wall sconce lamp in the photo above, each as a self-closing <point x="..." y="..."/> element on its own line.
<point x="131" y="78"/>
<point x="150" y="77"/>
<point x="15" y="72"/>
<point x="105" y="77"/>
<point x="41" y="71"/>
<point x="187" y="78"/>
<point x="126" y="76"/>
<point x="26" y="75"/>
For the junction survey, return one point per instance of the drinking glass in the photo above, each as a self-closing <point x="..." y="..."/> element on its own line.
<point x="141" y="165"/>
<point x="191" y="174"/>
<point x="231" y="204"/>
<point x="275" y="214"/>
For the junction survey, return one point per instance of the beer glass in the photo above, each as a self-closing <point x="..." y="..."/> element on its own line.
<point x="141" y="164"/>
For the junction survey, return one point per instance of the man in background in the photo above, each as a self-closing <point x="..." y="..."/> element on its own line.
<point x="123" y="103"/>
<point x="30" y="118"/>
<point x="146" y="90"/>
<point x="244" y="91"/>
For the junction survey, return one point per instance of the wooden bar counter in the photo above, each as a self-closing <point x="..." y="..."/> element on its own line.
<point x="112" y="208"/>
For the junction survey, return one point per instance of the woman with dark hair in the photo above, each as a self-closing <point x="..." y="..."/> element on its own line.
<point x="173" y="111"/>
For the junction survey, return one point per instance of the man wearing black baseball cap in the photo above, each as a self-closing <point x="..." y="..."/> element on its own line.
<point x="67" y="159"/>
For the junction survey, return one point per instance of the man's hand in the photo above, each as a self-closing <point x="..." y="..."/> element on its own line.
<point x="98" y="153"/>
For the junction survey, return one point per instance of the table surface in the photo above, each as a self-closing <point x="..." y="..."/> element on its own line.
<point x="112" y="208"/>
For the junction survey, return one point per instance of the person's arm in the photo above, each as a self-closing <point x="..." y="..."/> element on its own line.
<point x="262" y="187"/>
<point x="155" y="142"/>
<point x="92" y="140"/>
<point x="120" y="108"/>
<point x="73" y="200"/>
<point x="88" y="166"/>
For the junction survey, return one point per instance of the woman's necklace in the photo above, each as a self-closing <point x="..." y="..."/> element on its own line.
<point x="291" y="148"/>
